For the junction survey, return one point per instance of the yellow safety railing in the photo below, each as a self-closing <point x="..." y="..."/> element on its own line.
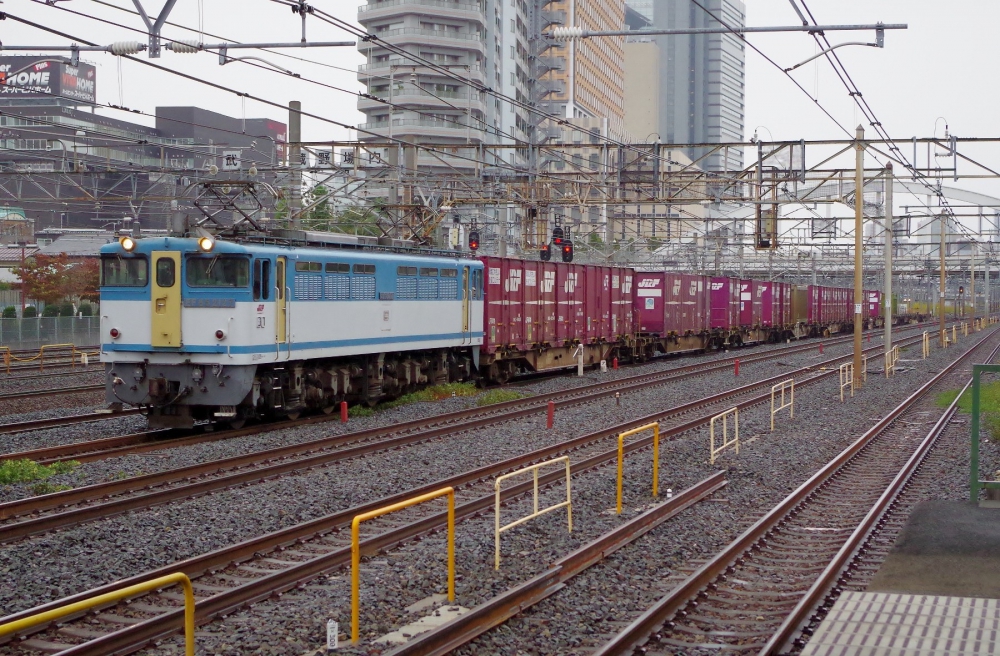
<point x="726" y="442"/>
<point x="655" y="427"/>
<point x="9" y="357"/>
<point x="356" y="547"/>
<point x="780" y="388"/>
<point x="927" y="345"/>
<point x="954" y="334"/>
<point x="945" y="340"/>
<point x="890" y="363"/>
<point x="567" y="504"/>
<point x="864" y="367"/>
<point x="965" y="328"/>
<point x="117" y="595"/>
<point x="846" y="378"/>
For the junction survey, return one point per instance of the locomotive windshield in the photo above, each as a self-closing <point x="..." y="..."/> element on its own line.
<point x="118" y="271"/>
<point x="218" y="271"/>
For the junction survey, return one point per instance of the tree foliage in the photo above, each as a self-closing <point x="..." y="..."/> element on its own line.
<point x="45" y="277"/>
<point x="86" y="279"/>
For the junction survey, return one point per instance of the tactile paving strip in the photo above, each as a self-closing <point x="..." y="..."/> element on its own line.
<point x="886" y="624"/>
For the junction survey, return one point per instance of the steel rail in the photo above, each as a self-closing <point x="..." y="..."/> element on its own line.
<point x="806" y="608"/>
<point x="639" y="631"/>
<point x="73" y="517"/>
<point x="139" y="634"/>
<point x="465" y="628"/>
<point x="91" y="450"/>
<point x="51" y="392"/>
<point x="57" y="422"/>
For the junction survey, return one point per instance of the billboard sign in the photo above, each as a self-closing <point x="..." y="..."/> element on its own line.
<point x="47" y="77"/>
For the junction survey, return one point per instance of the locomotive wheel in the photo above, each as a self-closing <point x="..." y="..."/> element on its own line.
<point x="237" y="424"/>
<point x="294" y="415"/>
<point x="328" y="409"/>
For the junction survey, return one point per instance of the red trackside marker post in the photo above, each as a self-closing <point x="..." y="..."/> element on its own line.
<point x="614" y="363"/>
<point x="552" y="414"/>
<point x="736" y="367"/>
<point x="343" y="412"/>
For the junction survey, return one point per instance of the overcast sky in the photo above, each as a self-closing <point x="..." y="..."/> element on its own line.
<point x="942" y="66"/>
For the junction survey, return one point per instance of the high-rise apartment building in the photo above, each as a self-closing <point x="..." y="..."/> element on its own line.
<point x="485" y="42"/>
<point x="702" y="87"/>
<point x="644" y="7"/>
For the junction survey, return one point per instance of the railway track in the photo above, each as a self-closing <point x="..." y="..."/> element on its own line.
<point x="93" y="502"/>
<point x="229" y="578"/>
<point x="92" y="450"/>
<point x="765" y="587"/>
<point x="57" y="391"/>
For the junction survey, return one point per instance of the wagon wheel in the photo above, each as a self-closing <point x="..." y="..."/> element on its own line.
<point x="237" y="424"/>
<point x="328" y="409"/>
<point x="294" y="415"/>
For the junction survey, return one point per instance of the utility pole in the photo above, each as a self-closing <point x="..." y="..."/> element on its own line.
<point x="888" y="257"/>
<point x="941" y="288"/>
<point x="859" y="203"/>
<point x="295" y="163"/>
<point x="972" y="282"/>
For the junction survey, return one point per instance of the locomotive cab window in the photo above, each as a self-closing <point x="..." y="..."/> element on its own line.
<point x="218" y="271"/>
<point x="165" y="274"/>
<point x="117" y="271"/>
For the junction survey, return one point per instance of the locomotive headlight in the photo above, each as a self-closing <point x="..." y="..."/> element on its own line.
<point x="206" y="244"/>
<point x="127" y="243"/>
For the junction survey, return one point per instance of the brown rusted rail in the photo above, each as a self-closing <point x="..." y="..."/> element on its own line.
<point x="639" y="631"/>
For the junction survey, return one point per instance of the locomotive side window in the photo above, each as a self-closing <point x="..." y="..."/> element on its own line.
<point x="365" y="268"/>
<point x="261" y="279"/>
<point x="218" y="271"/>
<point x="165" y="274"/>
<point x="338" y="267"/>
<point x="308" y="266"/>
<point x="406" y="271"/>
<point x="117" y="271"/>
<point x="429" y="272"/>
<point x="449" y="273"/>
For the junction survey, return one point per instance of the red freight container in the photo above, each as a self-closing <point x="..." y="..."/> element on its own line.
<point x="547" y="300"/>
<point x="814" y="293"/>
<point x="725" y="303"/>
<point x="874" y="304"/>
<point x="765" y="296"/>
<point x="621" y="302"/>
<point x="746" y="303"/>
<point x="671" y="303"/>
<point x="532" y="309"/>
<point x="650" y="303"/>
<point x="513" y="303"/>
<point x="493" y="322"/>
<point x="571" y="324"/>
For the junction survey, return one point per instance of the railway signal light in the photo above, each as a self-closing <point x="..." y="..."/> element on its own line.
<point x="474" y="240"/>
<point x="567" y="251"/>
<point x="546" y="253"/>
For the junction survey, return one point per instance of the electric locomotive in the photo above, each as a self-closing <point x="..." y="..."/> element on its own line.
<point x="200" y="329"/>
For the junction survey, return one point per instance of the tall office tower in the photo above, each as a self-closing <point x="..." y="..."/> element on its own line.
<point x="702" y="87"/>
<point x="585" y="78"/>
<point x="644" y="7"/>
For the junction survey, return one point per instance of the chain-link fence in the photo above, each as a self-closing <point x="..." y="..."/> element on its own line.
<point x="34" y="333"/>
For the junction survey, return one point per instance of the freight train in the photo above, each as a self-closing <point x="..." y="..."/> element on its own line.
<point x="200" y="329"/>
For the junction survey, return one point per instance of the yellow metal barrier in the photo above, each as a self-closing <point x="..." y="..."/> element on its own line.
<point x="954" y="334"/>
<point x="41" y="354"/>
<point x="656" y="458"/>
<point x="117" y="595"/>
<point x="846" y="378"/>
<point x="356" y="547"/>
<point x="780" y="388"/>
<point x="965" y="328"/>
<point x="864" y="367"/>
<point x="568" y="503"/>
<point x="726" y="442"/>
<point x="927" y="345"/>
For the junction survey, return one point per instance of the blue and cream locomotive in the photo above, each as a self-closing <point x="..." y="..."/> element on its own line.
<point x="199" y="329"/>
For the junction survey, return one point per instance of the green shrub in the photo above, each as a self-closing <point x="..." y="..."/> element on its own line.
<point x="10" y="312"/>
<point x="360" y="411"/>
<point x="26" y="471"/>
<point x="498" y="396"/>
<point x="66" y="309"/>
<point x="30" y="312"/>
<point x="51" y="311"/>
<point x="87" y="310"/>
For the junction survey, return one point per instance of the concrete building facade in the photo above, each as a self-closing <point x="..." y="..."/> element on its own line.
<point x="703" y="78"/>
